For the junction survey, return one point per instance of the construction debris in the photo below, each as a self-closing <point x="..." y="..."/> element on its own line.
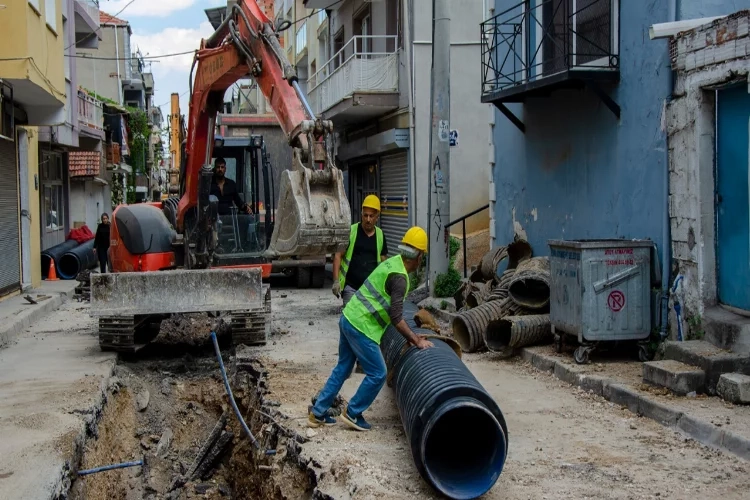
<point x="83" y="290"/>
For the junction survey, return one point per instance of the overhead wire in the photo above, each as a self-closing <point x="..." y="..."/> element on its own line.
<point x="145" y="58"/>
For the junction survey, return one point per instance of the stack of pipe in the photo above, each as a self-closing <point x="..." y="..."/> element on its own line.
<point x="456" y="431"/>
<point x="490" y="312"/>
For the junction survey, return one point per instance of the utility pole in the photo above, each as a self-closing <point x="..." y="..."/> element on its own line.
<point x="439" y="200"/>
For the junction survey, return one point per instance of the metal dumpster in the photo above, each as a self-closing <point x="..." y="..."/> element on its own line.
<point x="600" y="291"/>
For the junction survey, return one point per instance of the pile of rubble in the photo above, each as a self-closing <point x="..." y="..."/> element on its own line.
<point x="504" y="310"/>
<point x="82" y="292"/>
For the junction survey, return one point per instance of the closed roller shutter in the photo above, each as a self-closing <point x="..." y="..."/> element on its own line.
<point x="10" y="265"/>
<point x="394" y="199"/>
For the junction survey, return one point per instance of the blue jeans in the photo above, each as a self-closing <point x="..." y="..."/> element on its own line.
<point x="353" y="345"/>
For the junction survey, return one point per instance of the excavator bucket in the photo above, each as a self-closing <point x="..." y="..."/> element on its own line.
<point x="313" y="217"/>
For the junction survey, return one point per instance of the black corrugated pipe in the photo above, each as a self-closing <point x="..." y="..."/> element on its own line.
<point x="76" y="260"/>
<point x="456" y="431"/>
<point x="56" y="252"/>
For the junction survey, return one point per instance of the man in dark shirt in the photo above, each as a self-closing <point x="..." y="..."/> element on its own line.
<point x="367" y="248"/>
<point x="226" y="190"/>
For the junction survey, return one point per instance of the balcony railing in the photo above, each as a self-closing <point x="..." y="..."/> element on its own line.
<point x="301" y="38"/>
<point x="90" y="112"/>
<point x="91" y="7"/>
<point x="535" y="40"/>
<point x="364" y="64"/>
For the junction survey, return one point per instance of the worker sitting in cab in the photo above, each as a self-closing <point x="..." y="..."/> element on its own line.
<point x="367" y="248"/>
<point x="377" y="304"/>
<point x="225" y="190"/>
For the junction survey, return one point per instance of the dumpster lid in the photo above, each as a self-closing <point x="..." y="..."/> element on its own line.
<point x="600" y="244"/>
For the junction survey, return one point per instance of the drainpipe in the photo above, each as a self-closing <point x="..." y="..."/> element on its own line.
<point x="117" y="56"/>
<point x="666" y="231"/>
<point x="409" y="52"/>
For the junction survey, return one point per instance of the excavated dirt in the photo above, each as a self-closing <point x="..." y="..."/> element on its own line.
<point x="163" y="410"/>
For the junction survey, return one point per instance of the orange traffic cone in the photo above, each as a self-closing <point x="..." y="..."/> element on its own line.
<point x="52" y="274"/>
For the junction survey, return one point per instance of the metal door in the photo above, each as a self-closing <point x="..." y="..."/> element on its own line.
<point x="364" y="178"/>
<point x="10" y="266"/>
<point x="394" y="198"/>
<point x="732" y="210"/>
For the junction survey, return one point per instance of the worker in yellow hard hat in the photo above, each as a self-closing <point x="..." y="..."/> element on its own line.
<point x="367" y="248"/>
<point x="377" y="304"/>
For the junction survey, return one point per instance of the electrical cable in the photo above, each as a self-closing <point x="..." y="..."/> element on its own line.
<point x="145" y="58"/>
<point x="231" y="397"/>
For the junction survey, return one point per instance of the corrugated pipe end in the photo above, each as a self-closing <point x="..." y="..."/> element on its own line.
<point x="463" y="461"/>
<point x="462" y="335"/>
<point x="498" y="335"/>
<point x="69" y="266"/>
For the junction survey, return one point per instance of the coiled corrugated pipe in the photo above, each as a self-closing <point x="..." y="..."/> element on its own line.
<point x="456" y="431"/>
<point x="513" y="332"/>
<point x="76" y="260"/>
<point x="529" y="286"/>
<point x="469" y="326"/>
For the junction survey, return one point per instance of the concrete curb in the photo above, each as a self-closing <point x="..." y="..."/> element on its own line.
<point x="623" y="395"/>
<point x="25" y="318"/>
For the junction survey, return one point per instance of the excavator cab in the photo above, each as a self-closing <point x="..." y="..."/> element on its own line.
<point x="244" y="238"/>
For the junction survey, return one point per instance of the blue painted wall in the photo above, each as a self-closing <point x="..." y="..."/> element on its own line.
<point x="693" y="9"/>
<point x="578" y="172"/>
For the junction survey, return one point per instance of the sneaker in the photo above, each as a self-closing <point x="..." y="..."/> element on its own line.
<point x="314" y="422"/>
<point x="358" y="424"/>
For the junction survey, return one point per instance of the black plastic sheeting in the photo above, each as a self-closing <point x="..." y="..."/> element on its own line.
<point x="76" y="260"/>
<point x="456" y="431"/>
<point x="56" y="252"/>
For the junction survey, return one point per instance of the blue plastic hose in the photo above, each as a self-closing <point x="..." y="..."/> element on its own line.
<point x="231" y="397"/>
<point x="109" y="467"/>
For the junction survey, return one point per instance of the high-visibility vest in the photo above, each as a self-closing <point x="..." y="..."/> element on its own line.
<point x="350" y="250"/>
<point x="368" y="310"/>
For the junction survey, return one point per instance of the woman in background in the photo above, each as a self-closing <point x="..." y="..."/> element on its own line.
<point x="101" y="243"/>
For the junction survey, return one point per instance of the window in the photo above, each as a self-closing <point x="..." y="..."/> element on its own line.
<point x="53" y="201"/>
<point x="35" y="5"/>
<point x="50" y="13"/>
<point x="321" y="16"/>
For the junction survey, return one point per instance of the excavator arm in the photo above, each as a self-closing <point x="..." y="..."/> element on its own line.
<point x="313" y="215"/>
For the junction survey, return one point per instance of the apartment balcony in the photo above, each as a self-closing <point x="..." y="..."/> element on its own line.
<point x="90" y="116"/>
<point x="533" y="49"/>
<point x="86" y="23"/>
<point x="359" y="82"/>
<point x="300" y="56"/>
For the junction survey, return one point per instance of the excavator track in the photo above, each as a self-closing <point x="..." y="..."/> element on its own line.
<point x="118" y="333"/>
<point x="253" y="327"/>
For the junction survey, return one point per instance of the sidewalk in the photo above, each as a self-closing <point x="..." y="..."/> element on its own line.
<point x="16" y="313"/>
<point x="53" y="381"/>
<point x="708" y="420"/>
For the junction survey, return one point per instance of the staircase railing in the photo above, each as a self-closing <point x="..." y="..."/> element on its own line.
<point x="462" y="220"/>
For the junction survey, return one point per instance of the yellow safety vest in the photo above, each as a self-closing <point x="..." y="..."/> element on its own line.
<point x="368" y="310"/>
<point x="350" y="250"/>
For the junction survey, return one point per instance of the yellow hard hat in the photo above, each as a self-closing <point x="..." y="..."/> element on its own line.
<point x="371" y="201"/>
<point x="416" y="237"/>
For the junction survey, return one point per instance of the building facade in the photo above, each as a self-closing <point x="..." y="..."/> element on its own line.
<point x="368" y="68"/>
<point x="33" y="95"/>
<point x="707" y="129"/>
<point x="593" y="135"/>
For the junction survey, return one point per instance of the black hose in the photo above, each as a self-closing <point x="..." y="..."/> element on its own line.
<point x="76" y="260"/>
<point x="456" y="431"/>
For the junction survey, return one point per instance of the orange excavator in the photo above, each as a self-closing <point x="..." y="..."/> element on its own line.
<point x="162" y="255"/>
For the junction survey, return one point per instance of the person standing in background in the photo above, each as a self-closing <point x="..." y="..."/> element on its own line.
<point x="101" y="243"/>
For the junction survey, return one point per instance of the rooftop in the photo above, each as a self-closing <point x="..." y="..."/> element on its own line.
<point x="105" y="18"/>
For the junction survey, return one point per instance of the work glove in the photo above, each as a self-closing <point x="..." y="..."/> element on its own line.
<point x="336" y="288"/>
